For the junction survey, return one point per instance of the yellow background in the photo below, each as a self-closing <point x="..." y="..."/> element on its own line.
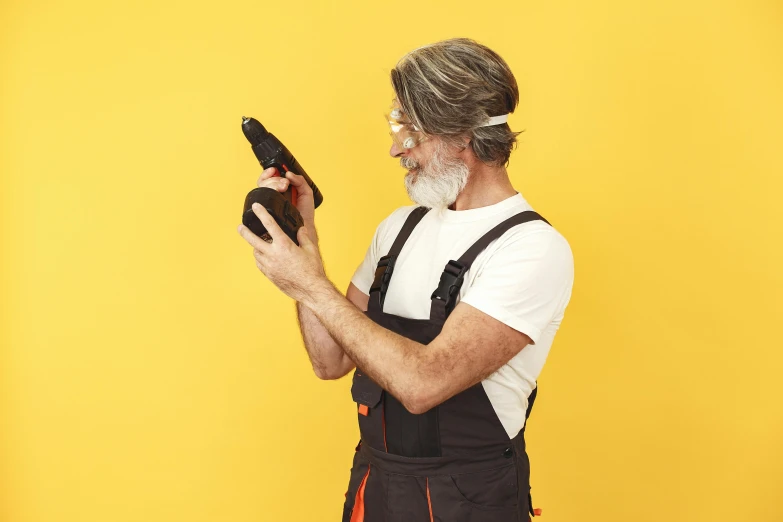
<point x="151" y="373"/>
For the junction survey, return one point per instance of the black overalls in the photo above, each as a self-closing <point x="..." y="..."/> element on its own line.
<point x="454" y="463"/>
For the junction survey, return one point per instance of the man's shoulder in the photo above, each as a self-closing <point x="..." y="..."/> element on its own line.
<point x="534" y="240"/>
<point x="392" y="223"/>
<point x="401" y="213"/>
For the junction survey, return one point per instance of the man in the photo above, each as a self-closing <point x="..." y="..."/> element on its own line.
<point x="450" y="316"/>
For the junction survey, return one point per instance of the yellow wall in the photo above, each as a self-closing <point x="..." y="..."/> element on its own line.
<point x="149" y="371"/>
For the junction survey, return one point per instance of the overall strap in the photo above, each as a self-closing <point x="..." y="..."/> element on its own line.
<point x="444" y="298"/>
<point x="383" y="271"/>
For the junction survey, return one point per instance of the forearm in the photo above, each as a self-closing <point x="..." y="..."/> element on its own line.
<point x="327" y="357"/>
<point x="395" y="362"/>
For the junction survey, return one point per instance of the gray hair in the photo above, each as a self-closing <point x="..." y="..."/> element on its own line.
<point x="450" y="88"/>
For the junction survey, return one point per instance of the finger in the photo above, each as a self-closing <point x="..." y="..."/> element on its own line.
<point x="279" y="184"/>
<point x="299" y="182"/>
<point x="270" y="224"/>
<point x="255" y="241"/>
<point x="268" y="173"/>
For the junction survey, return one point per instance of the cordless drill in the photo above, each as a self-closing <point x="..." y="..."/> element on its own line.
<point x="270" y="152"/>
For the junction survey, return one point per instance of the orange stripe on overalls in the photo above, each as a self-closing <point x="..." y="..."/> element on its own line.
<point x="429" y="501"/>
<point x="358" y="505"/>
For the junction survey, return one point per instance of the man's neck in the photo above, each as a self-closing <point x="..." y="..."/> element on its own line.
<point x="486" y="186"/>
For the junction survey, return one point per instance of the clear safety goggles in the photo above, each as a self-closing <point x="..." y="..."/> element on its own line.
<point x="406" y="135"/>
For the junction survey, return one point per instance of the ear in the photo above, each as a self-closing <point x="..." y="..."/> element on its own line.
<point x="465" y="140"/>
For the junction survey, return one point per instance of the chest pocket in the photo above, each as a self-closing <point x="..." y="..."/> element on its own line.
<point x="365" y="391"/>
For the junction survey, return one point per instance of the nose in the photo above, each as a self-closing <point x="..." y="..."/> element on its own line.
<point x="396" y="151"/>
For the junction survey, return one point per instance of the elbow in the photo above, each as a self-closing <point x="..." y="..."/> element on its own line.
<point x="332" y="372"/>
<point x="417" y="409"/>
<point x="327" y="374"/>
<point x="323" y="374"/>
<point x="419" y="401"/>
<point x="420" y="391"/>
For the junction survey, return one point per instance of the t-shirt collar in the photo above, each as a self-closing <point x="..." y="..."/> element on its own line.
<point x="476" y="214"/>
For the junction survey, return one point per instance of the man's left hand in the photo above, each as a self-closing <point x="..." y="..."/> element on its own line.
<point x="296" y="270"/>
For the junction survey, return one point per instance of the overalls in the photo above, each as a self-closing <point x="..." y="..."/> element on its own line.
<point x="454" y="463"/>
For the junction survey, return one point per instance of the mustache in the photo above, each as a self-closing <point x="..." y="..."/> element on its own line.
<point x="408" y="163"/>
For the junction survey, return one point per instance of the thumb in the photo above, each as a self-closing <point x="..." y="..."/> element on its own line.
<point x="303" y="236"/>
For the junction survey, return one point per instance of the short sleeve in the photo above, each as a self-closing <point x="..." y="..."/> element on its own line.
<point x="381" y="242"/>
<point x="526" y="283"/>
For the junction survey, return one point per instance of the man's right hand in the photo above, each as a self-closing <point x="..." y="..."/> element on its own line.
<point x="305" y="203"/>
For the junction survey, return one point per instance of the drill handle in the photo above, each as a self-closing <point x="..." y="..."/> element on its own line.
<point x="284" y="161"/>
<point x="297" y="169"/>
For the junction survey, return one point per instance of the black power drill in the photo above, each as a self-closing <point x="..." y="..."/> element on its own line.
<point x="280" y="205"/>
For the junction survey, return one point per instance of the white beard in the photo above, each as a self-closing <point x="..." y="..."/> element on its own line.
<point x="439" y="182"/>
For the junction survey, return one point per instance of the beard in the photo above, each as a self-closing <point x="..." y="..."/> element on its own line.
<point x="439" y="182"/>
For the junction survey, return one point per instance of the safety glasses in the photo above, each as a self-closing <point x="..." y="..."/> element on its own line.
<point x="404" y="133"/>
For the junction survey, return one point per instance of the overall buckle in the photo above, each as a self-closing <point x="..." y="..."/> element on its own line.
<point x="383" y="273"/>
<point x="450" y="283"/>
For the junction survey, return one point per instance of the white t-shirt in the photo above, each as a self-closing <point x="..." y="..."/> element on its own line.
<point x="523" y="279"/>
